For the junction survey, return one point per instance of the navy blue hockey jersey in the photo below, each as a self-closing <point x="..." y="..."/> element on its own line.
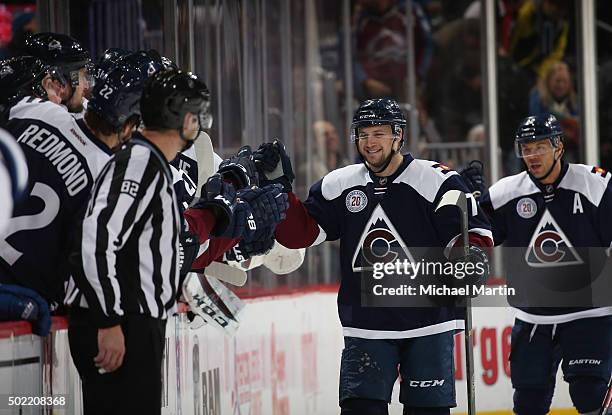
<point x="362" y="209"/>
<point x="63" y="158"/>
<point x="557" y="236"/>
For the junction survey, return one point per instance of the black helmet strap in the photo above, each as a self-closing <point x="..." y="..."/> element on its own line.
<point x="188" y="143"/>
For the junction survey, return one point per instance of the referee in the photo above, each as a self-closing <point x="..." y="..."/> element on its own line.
<point x="127" y="261"/>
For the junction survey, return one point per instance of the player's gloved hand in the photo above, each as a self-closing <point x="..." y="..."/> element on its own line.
<point x="268" y="206"/>
<point x="473" y="175"/>
<point x="219" y="197"/>
<point x="471" y="270"/>
<point x="240" y="169"/>
<point x="246" y="250"/>
<point x="189" y="245"/>
<point x="21" y="303"/>
<point x="274" y="165"/>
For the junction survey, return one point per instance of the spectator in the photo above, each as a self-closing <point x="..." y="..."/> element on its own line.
<point x="555" y="94"/>
<point x="328" y="147"/>
<point x="381" y="47"/>
<point x="541" y="35"/>
<point x="454" y="97"/>
<point x="15" y="28"/>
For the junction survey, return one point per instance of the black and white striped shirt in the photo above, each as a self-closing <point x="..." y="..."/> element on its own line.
<point x="127" y="261"/>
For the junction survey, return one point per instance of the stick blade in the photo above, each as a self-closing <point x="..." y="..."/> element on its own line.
<point x="453" y="197"/>
<point x="226" y="273"/>
<point x="205" y="158"/>
<point x="213" y="302"/>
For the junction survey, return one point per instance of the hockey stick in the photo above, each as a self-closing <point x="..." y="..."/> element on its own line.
<point x="459" y="199"/>
<point x="205" y="158"/>
<point x="606" y="406"/>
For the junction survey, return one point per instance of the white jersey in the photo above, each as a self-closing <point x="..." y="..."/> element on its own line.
<point x="63" y="158"/>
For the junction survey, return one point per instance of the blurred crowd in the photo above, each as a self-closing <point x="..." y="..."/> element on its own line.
<point x="537" y="67"/>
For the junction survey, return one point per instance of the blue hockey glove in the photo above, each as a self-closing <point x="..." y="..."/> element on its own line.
<point x="274" y="165"/>
<point x="240" y="169"/>
<point x="21" y="303"/>
<point x="219" y="197"/>
<point x="189" y="245"/>
<point x="473" y="175"/>
<point x="268" y="206"/>
<point x="471" y="270"/>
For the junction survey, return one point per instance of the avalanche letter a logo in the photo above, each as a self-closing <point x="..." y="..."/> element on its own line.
<point x="380" y="242"/>
<point x="549" y="247"/>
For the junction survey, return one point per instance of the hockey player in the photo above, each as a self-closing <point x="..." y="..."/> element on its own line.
<point x="20" y="77"/>
<point x="17" y="303"/>
<point x="71" y="61"/>
<point x="127" y="262"/>
<point x="388" y="201"/>
<point x="64" y="156"/>
<point x="560" y="214"/>
<point x="13" y="176"/>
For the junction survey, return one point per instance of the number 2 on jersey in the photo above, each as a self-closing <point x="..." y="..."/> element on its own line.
<point x="30" y="222"/>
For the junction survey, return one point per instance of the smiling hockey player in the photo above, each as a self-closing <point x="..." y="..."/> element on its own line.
<point x="393" y="197"/>
<point x="560" y="214"/>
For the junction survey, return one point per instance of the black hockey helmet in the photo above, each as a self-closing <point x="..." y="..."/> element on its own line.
<point x="107" y="62"/>
<point x="19" y="77"/>
<point x="117" y="97"/>
<point x="147" y="61"/>
<point x="382" y="111"/>
<point x="60" y="51"/>
<point x="536" y="128"/>
<point x="171" y="94"/>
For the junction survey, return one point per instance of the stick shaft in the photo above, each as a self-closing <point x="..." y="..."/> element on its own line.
<point x="469" y="345"/>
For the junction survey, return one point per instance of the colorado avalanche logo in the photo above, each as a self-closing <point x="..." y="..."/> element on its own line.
<point x="549" y="246"/>
<point x="380" y="242"/>
<point x="5" y="70"/>
<point x="54" y="45"/>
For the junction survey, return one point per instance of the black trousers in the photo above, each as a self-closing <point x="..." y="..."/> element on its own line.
<point x="134" y="388"/>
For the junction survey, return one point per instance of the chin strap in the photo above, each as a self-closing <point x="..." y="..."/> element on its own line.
<point x="188" y="143"/>
<point x="387" y="162"/>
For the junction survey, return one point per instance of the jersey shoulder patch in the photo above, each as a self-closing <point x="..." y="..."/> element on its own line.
<point x="590" y="181"/>
<point x="426" y="177"/>
<point x="337" y="181"/>
<point x="511" y="187"/>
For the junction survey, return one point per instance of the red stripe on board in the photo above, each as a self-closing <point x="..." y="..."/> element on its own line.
<point x="23" y="328"/>
<point x="14" y="328"/>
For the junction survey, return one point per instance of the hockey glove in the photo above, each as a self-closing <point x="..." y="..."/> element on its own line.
<point x="268" y="206"/>
<point x="219" y="197"/>
<point x="472" y="270"/>
<point x="274" y="165"/>
<point x="189" y="246"/>
<point x="246" y="250"/>
<point x="473" y="175"/>
<point x="240" y="169"/>
<point x="21" y="303"/>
